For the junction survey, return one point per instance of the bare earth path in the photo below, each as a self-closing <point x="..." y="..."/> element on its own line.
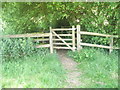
<point x="72" y="71"/>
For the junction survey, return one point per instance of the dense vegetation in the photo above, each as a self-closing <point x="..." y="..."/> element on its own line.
<point x="101" y="17"/>
<point x="35" y="71"/>
<point x="99" y="69"/>
<point x="25" y="66"/>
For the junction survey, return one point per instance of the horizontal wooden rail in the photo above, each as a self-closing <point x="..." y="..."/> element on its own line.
<point x="98" y="34"/>
<point x="61" y="43"/>
<point x="62" y="29"/>
<point x="64" y="35"/>
<point x="95" y="45"/>
<point x="61" y="47"/>
<point x="26" y="35"/>
<point x="40" y="46"/>
<point x="37" y="40"/>
<point x="63" y="39"/>
<point x="116" y="48"/>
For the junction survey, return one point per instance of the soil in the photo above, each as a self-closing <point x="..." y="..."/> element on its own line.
<point x="71" y="66"/>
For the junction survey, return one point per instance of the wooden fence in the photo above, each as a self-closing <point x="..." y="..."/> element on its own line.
<point x="80" y="43"/>
<point x="58" y="39"/>
<point x="40" y="38"/>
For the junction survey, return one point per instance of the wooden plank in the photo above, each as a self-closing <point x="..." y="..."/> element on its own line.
<point x="51" y="41"/>
<point x="61" y="47"/>
<point x="95" y="45"/>
<point x="62" y="40"/>
<point x="41" y="46"/>
<point x="100" y="46"/>
<point x="61" y="43"/>
<point x="62" y="29"/>
<point x="47" y="39"/>
<point x="73" y="38"/>
<point x="116" y="48"/>
<point x="64" y="35"/>
<point x="27" y="35"/>
<point x="43" y="41"/>
<point x="111" y="44"/>
<point x="78" y="38"/>
<point x="97" y="34"/>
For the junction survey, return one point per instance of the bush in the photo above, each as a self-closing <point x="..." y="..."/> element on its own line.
<point x="24" y="66"/>
<point x="13" y="48"/>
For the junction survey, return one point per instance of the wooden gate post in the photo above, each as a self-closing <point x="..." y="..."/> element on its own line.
<point x="111" y="45"/>
<point x="51" y="41"/>
<point x="78" y="38"/>
<point x="73" y="37"/>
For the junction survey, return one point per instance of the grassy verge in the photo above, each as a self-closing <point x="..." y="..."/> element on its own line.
<point x="24" y="66"/>
<point x="35" y="71"/>
<point x="99" y="69"/>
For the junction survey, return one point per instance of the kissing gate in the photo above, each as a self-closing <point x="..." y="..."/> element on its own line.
<point x="65" y="38"/>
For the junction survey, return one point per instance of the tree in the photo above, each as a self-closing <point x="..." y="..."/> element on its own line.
<point x="24" y="17"/>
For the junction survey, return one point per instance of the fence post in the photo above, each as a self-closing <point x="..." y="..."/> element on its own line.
<point x="51" y="41"/>
<point x="73" y="37"/>
<point x="78" y="38"/>
<point x="111" y="45"/>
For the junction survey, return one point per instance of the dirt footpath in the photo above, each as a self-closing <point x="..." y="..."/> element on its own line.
<point x="70" y="66"/>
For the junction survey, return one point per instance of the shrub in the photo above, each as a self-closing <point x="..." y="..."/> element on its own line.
<point x="13" y="48"/>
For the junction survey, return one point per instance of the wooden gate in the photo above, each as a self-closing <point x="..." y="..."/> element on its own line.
<point x="72" y="39"/>
<point x="65" y="38"/>
<point x="62" y="38"/>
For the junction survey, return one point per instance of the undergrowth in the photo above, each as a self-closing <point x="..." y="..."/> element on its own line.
<point x="24" y="66"/>
<point x="99" y="69"/>
<point x="33" y="72"/>
<point x="13" y="48"/>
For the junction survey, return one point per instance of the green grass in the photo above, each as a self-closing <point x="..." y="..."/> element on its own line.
<point x="24" y="66"/>
<point x="35" y="71"/>
<point x="99" y="69"/>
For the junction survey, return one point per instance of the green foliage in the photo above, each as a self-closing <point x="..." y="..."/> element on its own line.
<point x="24" y="17"/>
<point x="83" y="55"/>
<point x="99" y="69"/>
<point x="35" y="71"/>
<point x="14" y="48"/>
<point x="27" y="17"/>
<point x="25" y="66"/>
